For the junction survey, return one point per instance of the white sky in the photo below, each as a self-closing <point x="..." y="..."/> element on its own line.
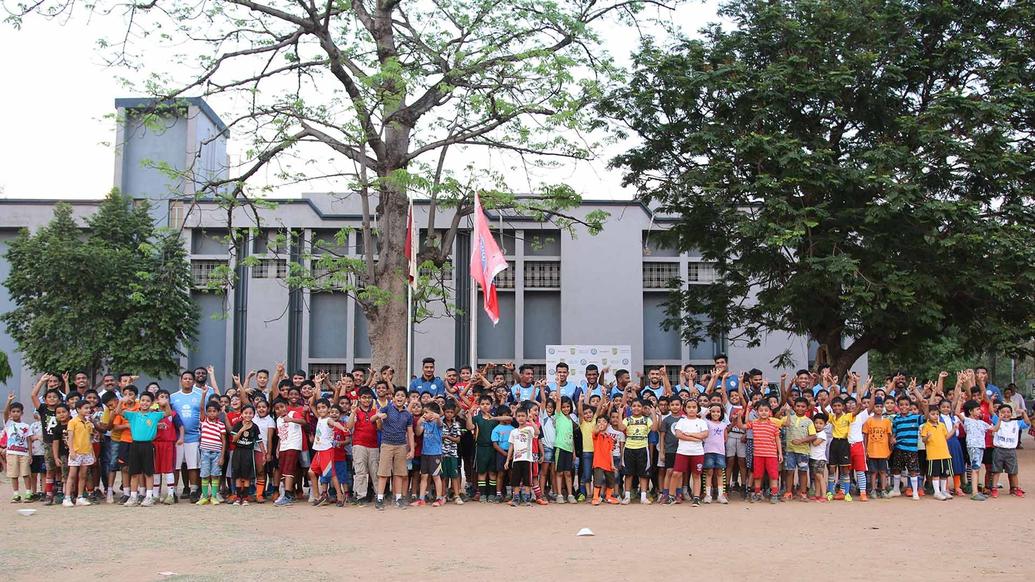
<point x="57" y="92"/>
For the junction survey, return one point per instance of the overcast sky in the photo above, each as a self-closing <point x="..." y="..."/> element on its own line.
<point x="57" y="142"/>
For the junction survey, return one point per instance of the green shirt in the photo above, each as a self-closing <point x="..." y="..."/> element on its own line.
<point x="799" y="427"/>
<point x="484" y="426"/>
<point x="564" y="428"/>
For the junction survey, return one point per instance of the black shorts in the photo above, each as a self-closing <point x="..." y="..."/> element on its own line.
<point x="904" y="461"/>
<point x="635" y="462"/>
<point x="840" y="453"/>
<point x="939" y="468"/>
<point x="242" y="464"/>
<point x="670" y="460"/>
<point x="484" y="460"/>
<point x="38" y="464"/>
<point x="123" y="454"/>
<point x="602" y="478"/>
<point x="141" y="458"/>
<point x="877" y="465"/>
<point x="431" y="465"/>
<point x="988" y="456"/>
<point x="501" y="462"/>
<point x="565" y="460"/>
<point x="521" y="474"/>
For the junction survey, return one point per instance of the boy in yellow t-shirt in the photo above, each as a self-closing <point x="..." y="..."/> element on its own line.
<point x="939" y="461"/>
<point x="840" y="450"/>
<point x="80" y="453"/>
<point x="877" y="440"/>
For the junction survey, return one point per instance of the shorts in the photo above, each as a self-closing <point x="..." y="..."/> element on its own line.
<point x="904" y="461"/>
<point x="521" y="474"/>
<point x="736" y="445"/>
<point x="64" y="467"/>
<point x="764" y="466"/>
<point x="548" y="454"/>
<point x="392" y="461"/>
<point x="123" y="454"/>
<point x="986" y="458"/>
<point x="288" y="461"/>
<point x="857" y="456"/>
<point x="323" y="463"/>
<point x="602" y="478"/>
<point x="431" y="465"/>
<point x="110" y="455"/>
<point x="714" y="461"/>
<point x="635" y="463"/>
<point x="840" y="453"/>
<point x="877" y="465"/>
<point x="1004" y="461"/>
<point x="565" y="460"/>
<point x="795" y="461"/>
<point x="209" y="464"/>
<point x="242" y="464"/>
<point x="18" y="466"/>
<point x="670" y="460"/>
<point x="817" y="466"/>
<point x="450" y="467"/>
<point x="76" y="460"/>
<point x="48" y="457"/>
<point x="975" y="455"/>
<point x="165" y="457"/>
<point x="501" y="462"/>
<point x="341" y="471"/>
<point x="689" y="464"/>
<point x="141" y="458"/>
<point x="188" y="454"/>
<point x="749" y="453"/>
<point x="305" y="458"/>
<point x="38" y="464"/>
<point x="484" y="457"/>
<point x="939" y="468"/>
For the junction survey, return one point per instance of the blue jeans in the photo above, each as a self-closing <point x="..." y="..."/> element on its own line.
<point x="210" y="463"/>
<point x="110" y="455"/>
<point x="586" y="472"/>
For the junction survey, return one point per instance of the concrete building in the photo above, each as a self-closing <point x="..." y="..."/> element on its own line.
<point x="560" y="289"/>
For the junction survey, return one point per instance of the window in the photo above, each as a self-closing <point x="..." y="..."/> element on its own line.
<point x="496" y="341"/>
<point x="658" y="343"/>
<point x="542" y="243"/>
<point x="202" y="272"/>
<point x="331" y="241"/>
<point x="328" y="323"/>
<point x="542" y="275"/>
<point x="177" y="214"/>
<point x="505" y="279"/>
<point x="334" y="370"/>
<point x="659" y="275"/>
<point x="270" y="269"/>
<point x="700" y="273"/>
<point x="542" y="322"/>
<point x="654" y="245"/>
<point x="209" y="242"/>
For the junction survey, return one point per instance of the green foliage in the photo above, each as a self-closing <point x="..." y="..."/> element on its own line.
<point x="862" y="168"/>
<point x="116" y="294"/>
<point x="5" y="368"/>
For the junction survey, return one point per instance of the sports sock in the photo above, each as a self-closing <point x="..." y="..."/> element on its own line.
<point x="150" y="493"/>
<point x="846" y="483"/>
<point x="914" y="482"/>
<point x="831" y="481"/>
<point x="860" y="478"/>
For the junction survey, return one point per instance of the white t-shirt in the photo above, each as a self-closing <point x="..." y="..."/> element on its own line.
<point x="619" y="436"/>
<point x="521" y="443"/>
<point x="547" y="430"/>
<point x="689" y="426"/>
<point x="1008" y="435"/>
<point x="323" y="436"/>
<point x="976" y="429"/>
<point x="818" y="449"/>
<point x="290" y="434"/>
<point x="39" y="449"/>
<point x="855" y="430"/>
<point x="265" y="423"/>
<point x="18" y="435"/>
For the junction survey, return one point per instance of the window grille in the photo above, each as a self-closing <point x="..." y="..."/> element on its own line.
<point x="505" y="279"/>
<point x="659" y="275"/>
<point x="201" y="272"/>
<point x="543" y="274"/>
<point x="701" y="272"/>
<point x="270" y="269"/>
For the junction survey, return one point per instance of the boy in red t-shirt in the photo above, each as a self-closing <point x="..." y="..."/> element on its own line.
<point x="603" y="463"/>
<point x="768" y="452"/>
<point x="341" y="438"/>
<point x="170" y="431"/>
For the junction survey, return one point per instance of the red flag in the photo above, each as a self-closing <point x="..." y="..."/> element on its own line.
<point x="486" y="260"/>
<point x="411" y="248"/>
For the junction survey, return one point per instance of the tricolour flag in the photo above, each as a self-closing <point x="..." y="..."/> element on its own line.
<point x="487" y="260"/>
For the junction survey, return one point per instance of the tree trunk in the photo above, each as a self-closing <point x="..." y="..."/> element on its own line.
<point x="388" y="324"/>
<point x="842" y="359"/>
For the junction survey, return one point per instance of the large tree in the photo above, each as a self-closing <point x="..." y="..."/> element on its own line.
<point x="111" y="294"/>
<point x="860" y="171"/>
<point x="375" y="94"/>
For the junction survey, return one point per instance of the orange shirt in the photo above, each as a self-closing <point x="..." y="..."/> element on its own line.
<point x="878" y="441"/>
<point x="602" y="445"/>
<point x="120" y="423"/>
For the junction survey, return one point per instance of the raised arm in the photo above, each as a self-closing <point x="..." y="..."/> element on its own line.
<point x="212" y="378"/>
<point x="36" y="390"/>
<point x="278" y="375"/>
<point x="666" y="389"/>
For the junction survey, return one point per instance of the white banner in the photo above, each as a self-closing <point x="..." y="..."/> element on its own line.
<point x="578" y="357"/>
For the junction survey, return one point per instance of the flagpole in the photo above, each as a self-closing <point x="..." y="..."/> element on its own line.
<point x="473" y="311"/>
<point x="409" y="333"/>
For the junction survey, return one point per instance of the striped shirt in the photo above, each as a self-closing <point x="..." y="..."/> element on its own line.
<point x="211" y="433"/>
<point x="907" y="431"/>
<point x="766" y="433"/>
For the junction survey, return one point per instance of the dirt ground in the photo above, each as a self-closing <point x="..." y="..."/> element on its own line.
<point x="908" y="540"/>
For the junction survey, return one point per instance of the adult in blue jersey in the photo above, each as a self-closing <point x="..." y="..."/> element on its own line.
<point x="187" y="402"/>
<point x="428" y="382"/>
<point x="524" y="389"/>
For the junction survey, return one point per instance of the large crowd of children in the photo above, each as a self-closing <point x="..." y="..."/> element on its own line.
<point x="475" y="436"/>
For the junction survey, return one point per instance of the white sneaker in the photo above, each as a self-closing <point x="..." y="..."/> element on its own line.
<point x="571" y="499"/>
<point x="625" y="501"/>
<point x="67" y="502"/>
<point x="148" y="502"/>
<point x="916" y="496"/>
<point x="111" y="498"/>
<point x="561" y="500"/>
<point x="723" y="500"/>
<point x="131" y="502"/>
<point x="894" y="493"/>
<point x="83" y="501"/>
<point x="707" y="498"/>
<point x="459" y="501"/>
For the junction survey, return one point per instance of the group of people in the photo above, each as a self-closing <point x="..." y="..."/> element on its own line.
<point x="477" y="435"/>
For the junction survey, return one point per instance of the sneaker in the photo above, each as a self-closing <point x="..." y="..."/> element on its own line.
<point x="110" y="498"/>
<point x="260" y="499"/>
<point x="83" y="501"/>
<point x="595" y="502"/>
<point x="916" y="496"/>
<point x="708" y="499"/>
<point x="848" y="497"/>
<point x="722" y="499"/>
<point x="995" y="493"/>
<point x="400" y="504"/>
<point x="625" y="501"/>
<point x="235" y="503"/>
<point x="148" y="502"/>
<point x="193" y="495"/>
<point x="958" y="492"/>
<point x="202" y="501"/>
<point x="894" y="493"/>
<point x="543" y="501"/>
<point x="379" y="504"/>
<point x="168" y="500"/>
<point x="322" y="500"/>
<point x="840" y="495"/>
<point x="803" y="497"/>
<point x="67" y="502"/>
<point x="513" y="502"/>
<point x="751" y="498"/>
<point x="696" y="501"/>
<point x="1018" y="492"/>
<point x="560" y="499"/>
<point x="581" y="498"/>
<point x="773" y="500"/>
<point x="830" y="496"/>
<point x="571" y="499"/>
<point x="420" y="503"/>
<point x="664" y="499"/>
<point x="821" y="499"/>
<point x="645" y="500"/>
<point x="787" y="496"/>
<point x="131" y="502"/>
<point x="978" y="497"/>
<point x="938" y="495"/>
<point x="123" y="499"/>
<point x="909" y="492"/>
<point x="16" y="498"/>
<point x="217" y="501"/>
<point x="243" y="502"/>
<point x="670" y="501"/>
